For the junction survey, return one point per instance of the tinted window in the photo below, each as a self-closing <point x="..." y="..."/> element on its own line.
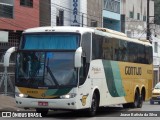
<point x="97" y="42"/>
<point x="120" y="50"/>
<point x="6" y="11"/>
<point x="51" y="41"/>
<point x="28" y="3"/>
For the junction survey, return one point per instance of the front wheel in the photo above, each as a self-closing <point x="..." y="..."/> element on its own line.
<point x="43" y="111"/>
<point x="94" y="105"/>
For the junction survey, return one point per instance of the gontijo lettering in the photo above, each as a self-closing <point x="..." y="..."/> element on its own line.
<point x="133" y="70"/>
<point x="33" y="92"/>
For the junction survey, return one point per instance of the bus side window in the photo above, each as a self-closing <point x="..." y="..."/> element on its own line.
<point x="83" y="71"/>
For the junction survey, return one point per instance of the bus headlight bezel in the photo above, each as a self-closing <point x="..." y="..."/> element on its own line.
<point x="21" y="95"/>
<point x="68" y="96"/>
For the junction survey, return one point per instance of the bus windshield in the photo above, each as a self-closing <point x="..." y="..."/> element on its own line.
<point x="50" y="41"/>
<point x="46" y="69"/>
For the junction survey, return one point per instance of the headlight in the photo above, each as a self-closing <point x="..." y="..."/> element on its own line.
<point x="71" y="95"/>
<point x="21" y="95"/>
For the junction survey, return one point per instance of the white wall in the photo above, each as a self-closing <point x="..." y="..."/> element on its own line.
<point x="136" y="27"/>
<point x="83" y="9"/>
<point x="67" y="6"/>
<point x="60" y="4"/>
<point x="156" y="57"/>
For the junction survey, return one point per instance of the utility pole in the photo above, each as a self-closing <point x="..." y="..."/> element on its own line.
<point x="148" y="24"/>
<point x="82" y="19"/>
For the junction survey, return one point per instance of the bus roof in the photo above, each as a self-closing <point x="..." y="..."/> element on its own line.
<point x="120" y="35"/>
<point x="81" y="30"/>
<point x="59" y="29"/>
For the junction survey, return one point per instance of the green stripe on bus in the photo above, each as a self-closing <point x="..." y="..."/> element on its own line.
<point x="113" y="78"/>
<point x="109" y="78"/>
<point x="57" y="92"/>
<point x="117" y="78"/>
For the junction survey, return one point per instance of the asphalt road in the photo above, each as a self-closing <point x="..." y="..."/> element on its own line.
<point x="147" y="112"/>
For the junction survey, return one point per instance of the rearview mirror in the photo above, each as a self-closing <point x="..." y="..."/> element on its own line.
<point x="77" y="58"/>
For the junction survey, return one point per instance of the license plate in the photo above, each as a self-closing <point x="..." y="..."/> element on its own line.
<point x="42" y="103"/>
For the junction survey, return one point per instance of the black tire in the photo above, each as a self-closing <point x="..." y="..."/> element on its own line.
<point x="126" y="105"/>
<point x="43" y="111"/>
<point x="94" y="105"/>
<point x="136" y="100"/>
<point x="140" y="102"/>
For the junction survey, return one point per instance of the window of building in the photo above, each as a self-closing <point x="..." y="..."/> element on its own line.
<point x="60" y="18"/>
<point x="131" y="14"/>
<point x="6" y="10"/>
<point x="27" y="3"/>
<point x="144" y="18"/>
<point x="112" y="5"/>
<point x="138" y="16"/>
<point x="129" y="34"/>
<point x="156" y="47"/>
<point x="93" y="23"/>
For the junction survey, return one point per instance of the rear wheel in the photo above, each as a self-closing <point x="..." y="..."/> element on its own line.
<point x="137" y="100"/>
<point x="135" y="103"/>
<point x="140" y="102"/>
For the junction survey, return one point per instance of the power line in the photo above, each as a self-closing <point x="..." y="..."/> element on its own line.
<point x="144" y="31"/>
<point x="70" y="10"/>
<point x="66" y="18"/>
<point x="30" y="16"/>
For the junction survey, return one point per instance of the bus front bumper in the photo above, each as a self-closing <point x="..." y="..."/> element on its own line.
<point x="69" y="104"/>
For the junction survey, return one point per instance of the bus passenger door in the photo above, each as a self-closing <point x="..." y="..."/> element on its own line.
<point x="83" y="72"/>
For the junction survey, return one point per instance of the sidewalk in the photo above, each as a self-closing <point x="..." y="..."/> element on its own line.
<point x="7" y="103"/>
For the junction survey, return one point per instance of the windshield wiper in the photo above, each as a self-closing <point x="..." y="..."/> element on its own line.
<point x="52" y="76"/>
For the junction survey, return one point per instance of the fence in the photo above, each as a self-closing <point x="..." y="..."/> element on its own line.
<point x="11" y="75"/>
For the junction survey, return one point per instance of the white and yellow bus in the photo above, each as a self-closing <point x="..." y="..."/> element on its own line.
<point x="75" y="68"/>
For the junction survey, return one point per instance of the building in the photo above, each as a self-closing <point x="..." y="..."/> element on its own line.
<point x="134" y="24"/>
<point x="45" y="12"/>
<point x="94" y="13"/>
<point x="111" y="14"/>
<point x="155" y="37"/>
<point x="66" y="12"/>
<point x="134" y="17"/>
<point x="15" y="16"/>
<point x="84" y="13"/>
<point x="156" y="58"/>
